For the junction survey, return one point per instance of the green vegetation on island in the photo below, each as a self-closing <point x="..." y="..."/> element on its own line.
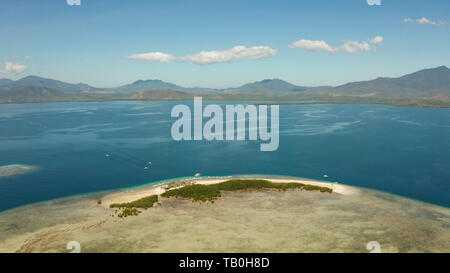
<point x="143" y="203"/>
<point x="172" y="185"/>
<point x="131" y="208"/>
<point x="211" y="192"/>
<point x="198" y="192"/>
<point x="128" y="212"/>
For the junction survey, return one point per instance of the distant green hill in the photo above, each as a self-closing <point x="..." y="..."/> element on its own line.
<point x="34" y="81"/>
<point x="141" y="86"/>
<point x="26" y="93"/>
<point x="423" y="83"/>
<point x="147" y="85"/>
<point x="161" y="95"/>
<point x="5" y="82"/>
<point x="274" y="86"/>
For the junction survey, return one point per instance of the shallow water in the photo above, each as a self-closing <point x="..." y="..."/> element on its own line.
<point x="258" y="221"/>
<point x="398" y="150"/>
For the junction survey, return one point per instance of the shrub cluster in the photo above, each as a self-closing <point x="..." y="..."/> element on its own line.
<point x="199" y="192"/>
<point x="143" y="203"/>
<point x="128" y="212"/>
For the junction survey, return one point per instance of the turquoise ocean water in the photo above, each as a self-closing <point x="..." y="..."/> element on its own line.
<point x="405" y="151"/>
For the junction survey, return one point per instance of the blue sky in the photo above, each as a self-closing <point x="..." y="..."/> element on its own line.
<point x="90" y="43"/>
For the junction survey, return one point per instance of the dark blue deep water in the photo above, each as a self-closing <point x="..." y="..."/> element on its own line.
<point x="404" y="151"/>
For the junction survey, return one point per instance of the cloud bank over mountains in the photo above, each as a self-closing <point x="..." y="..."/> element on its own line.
<point x="210" y="57"/>
<point x="241" y="52"/>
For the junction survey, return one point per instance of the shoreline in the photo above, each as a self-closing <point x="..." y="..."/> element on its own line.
<point x="146" y="187"/>
<point x="101" y="194"/>
<point x="266" y="219"/>
<point x="159" y="188"/>
<point x="398" y="101"/>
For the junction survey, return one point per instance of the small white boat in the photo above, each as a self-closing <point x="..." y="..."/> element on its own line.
<point x="325" y="176"/>
<point x="149" y="163"/>
<point x="145" y="168"/>
<point x="197" y="175"/>
<point x="107" y="155"/>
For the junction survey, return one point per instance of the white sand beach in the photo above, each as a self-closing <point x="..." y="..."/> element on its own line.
<point x="242" y="221"/>
<point x="132" y="195"/>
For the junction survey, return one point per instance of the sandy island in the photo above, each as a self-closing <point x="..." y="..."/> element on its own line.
<point x="132" y="195"/>
<point x="242" y="221"/>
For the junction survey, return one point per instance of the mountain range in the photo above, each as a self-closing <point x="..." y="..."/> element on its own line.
<point x="426" y="83"/>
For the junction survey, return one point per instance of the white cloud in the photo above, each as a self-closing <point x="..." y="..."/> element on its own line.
<point x="377" y="40"/>
<point x="10" y="67"/>
<point x="355" y="46"/>
<point x="153" y="57"/>
<point x="25" y="58"/>
<point x="237" y="52"/>
<point x="351" y="47"/>
<point x="313" y="45"/>
<point x="210" y="57"/>
<point x="424" y="20"/>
